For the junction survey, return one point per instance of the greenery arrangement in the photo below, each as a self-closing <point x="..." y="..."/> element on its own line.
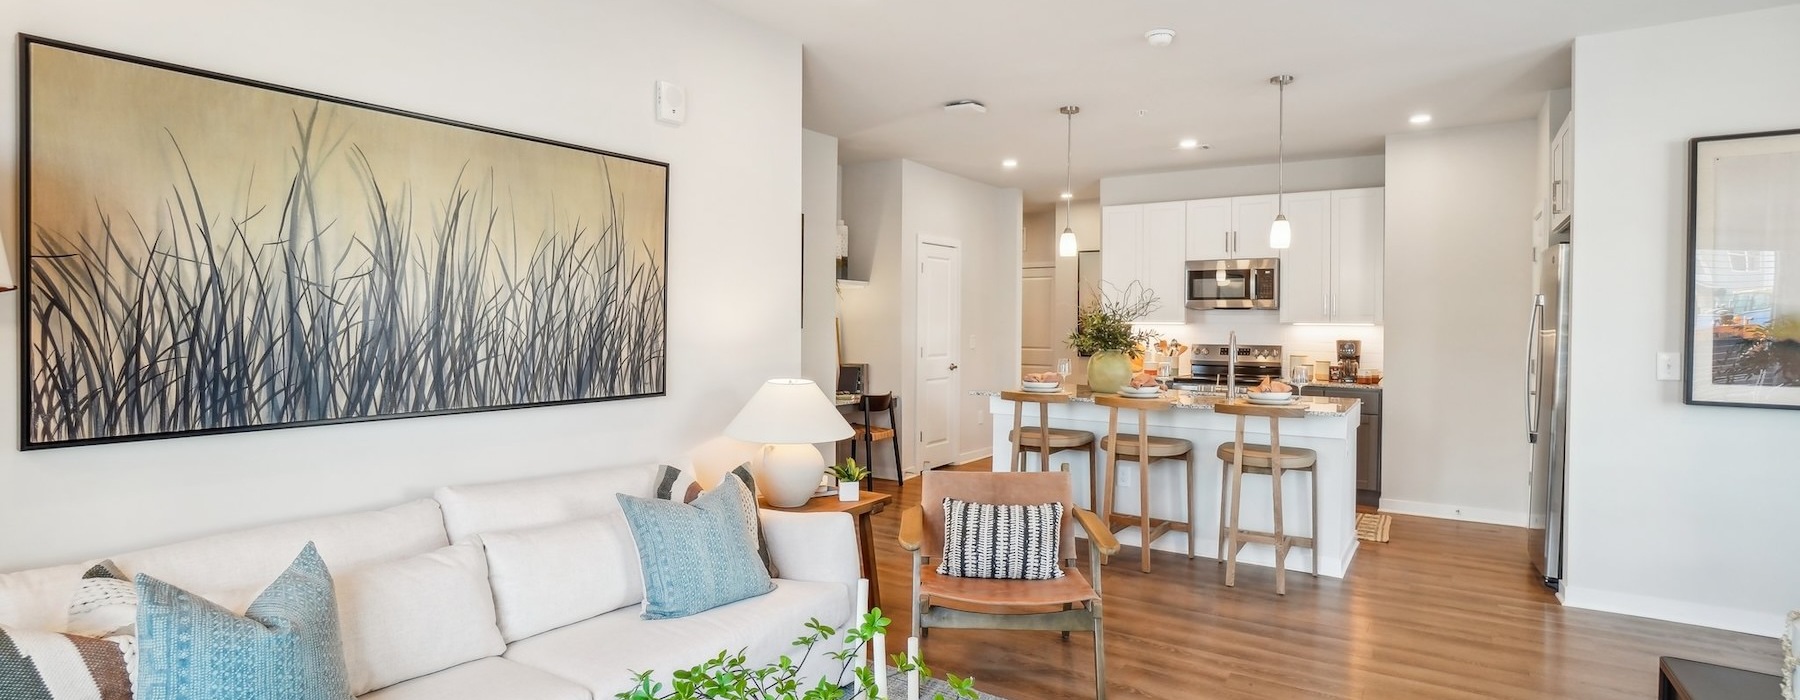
<point x="1104" y="324"/>
<point x="850" y="471"/>
<point x="730" y="677"/>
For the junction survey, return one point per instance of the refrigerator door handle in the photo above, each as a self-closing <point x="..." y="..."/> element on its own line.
<point x="1533" y="353"/>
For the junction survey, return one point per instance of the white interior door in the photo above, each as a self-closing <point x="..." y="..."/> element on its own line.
<point x="940" y="324"/>
<point x="1037" y="339"/>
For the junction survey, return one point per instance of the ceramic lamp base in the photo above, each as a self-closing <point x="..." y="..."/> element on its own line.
<point x="789" y="475"/>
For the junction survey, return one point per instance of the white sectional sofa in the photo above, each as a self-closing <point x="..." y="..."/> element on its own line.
<point x="521" y="590"/>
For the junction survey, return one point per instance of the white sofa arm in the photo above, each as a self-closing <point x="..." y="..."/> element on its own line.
<point x="813" y="546"/>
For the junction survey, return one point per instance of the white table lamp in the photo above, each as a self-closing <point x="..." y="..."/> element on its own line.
<point x="788" y="416"/>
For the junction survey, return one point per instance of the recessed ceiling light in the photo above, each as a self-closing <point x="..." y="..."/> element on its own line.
<point x="1189" y="144"/>
<point x="1068" y="195"/>
<point x="1010" y="163"/>
<point x="1420" y="119"/>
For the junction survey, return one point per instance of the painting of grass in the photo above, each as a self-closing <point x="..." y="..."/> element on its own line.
<point x="207" y="255"/>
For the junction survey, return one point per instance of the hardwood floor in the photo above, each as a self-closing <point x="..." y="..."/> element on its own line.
<point x="1445" y="610"/>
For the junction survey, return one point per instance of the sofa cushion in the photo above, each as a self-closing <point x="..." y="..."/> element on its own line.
<point x="486" y="679"/>
<point x="38" y="665"/>
<point x="697" y="556"/>
<point x="547" y="577"/>
<point x="513" y="505"/>
<point x="38" y="599"/>
<point x="410" y="617"/>
<point x="764" y="627"/>
<point x="232" y="568"/>
<point x="286" y="645"/>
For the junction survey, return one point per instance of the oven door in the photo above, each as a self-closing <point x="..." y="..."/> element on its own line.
<point x="1232" y="284"/>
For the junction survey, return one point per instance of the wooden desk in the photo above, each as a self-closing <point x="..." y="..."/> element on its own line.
<point x="863" y="510"/>
<point x="1681" y="679"/>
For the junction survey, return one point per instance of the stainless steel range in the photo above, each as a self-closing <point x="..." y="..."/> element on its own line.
<point x="1254" y="363"/>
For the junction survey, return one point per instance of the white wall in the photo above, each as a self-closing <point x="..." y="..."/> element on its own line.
<point x="579" y="71"/>
<point x="891" y="206"/>
<point x="1235" y="181"/>
<point x="819" y="204"/>
<point x="1677" y="512"/>
<point x="1456" y="306"/>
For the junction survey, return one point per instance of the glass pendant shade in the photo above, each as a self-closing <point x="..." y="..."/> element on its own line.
<point x="1066" y="245"/>
<point x="1281" y="234"/>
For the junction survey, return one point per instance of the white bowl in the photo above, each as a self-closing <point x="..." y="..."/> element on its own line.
<point x="1270" y="396"/>
<point x="1041" y="386"/>
<point x="1147" y="392"/>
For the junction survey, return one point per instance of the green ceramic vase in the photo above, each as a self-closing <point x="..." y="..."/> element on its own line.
<point x="1108" y="371"/>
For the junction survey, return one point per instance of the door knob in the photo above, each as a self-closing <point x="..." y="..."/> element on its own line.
<point x="953" y="366"/>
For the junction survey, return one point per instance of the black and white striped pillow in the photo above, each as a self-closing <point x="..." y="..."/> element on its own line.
<point x="984" y="540"/>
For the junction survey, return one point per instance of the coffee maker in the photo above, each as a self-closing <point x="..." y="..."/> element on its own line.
<point x="1349" y="355"/>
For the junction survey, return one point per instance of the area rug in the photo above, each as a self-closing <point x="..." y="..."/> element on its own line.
<point x="929" y="688"/>
<point x="1373" y="527"/>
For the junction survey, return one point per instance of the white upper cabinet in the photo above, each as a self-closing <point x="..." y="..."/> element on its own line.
<point x="1209" y="229"/>
<point x="1165" y="260"/>
<point x="1562" y="174"/>
<point x="1305" y="273"/>
<point x="1121" y="247"/>
<point x="1358" y="225"/>
<point x="1252" y="217"/>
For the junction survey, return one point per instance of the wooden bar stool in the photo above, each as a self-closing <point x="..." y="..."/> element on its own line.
<point x="1145" y="449"/>
<point x="1046" y="441"/>
<point x="869" y="433"/>
<point x="1240" y="458"/>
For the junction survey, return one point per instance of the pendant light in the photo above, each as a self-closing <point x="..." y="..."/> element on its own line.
<point x="1281" y="233"/>
<point x="1066" y="245"/>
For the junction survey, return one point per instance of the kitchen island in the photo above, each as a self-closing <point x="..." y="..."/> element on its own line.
<point x="1329" y="428"/>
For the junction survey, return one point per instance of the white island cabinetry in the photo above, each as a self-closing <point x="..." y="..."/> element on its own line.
<point x="1331" y="432"/>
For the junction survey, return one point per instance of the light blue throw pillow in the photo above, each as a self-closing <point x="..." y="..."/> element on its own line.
<point x="284" y="647"/>
<point x="697" y="556"/>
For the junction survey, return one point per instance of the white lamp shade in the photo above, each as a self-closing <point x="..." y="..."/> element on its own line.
<point x="1066" y="245"/>
<point x="7" y="281"/>
<point x="1281" y="234"/>
<point x="789" y="412"/>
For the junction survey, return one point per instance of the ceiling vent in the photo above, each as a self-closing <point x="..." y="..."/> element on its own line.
<point x="965" y="107"/>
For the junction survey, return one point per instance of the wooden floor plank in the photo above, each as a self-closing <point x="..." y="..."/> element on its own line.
<point x="1445" y="610"/>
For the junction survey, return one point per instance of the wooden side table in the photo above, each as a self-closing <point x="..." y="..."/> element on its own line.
<point x="864" y="510"/>
<point x="1681" y="679"/>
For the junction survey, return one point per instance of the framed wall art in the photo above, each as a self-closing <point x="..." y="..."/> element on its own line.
<point x="1743" y="315"/>
<point x="209" y="254"/>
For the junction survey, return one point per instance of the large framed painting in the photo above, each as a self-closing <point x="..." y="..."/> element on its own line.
<point x="209" y="254"/>
<point x="1743" y="320"/>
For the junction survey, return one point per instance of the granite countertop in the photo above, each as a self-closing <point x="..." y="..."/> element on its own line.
<point x="1315" y="405"/>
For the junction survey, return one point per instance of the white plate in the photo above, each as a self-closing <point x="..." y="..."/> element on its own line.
<point x="1283" y="396"/>
<point x="1289" y="401"/>
<point x="1040" y="386"/>
<point x="1051" y="390"/>
<point x="1144" y="393"/>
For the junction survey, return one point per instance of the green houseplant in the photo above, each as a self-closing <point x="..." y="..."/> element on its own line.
<point x="1103" y="331"/>
<point x="849" y="477"/>
<point x="729" y="676"/>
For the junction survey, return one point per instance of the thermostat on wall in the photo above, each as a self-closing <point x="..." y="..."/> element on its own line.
<point x="671" y="103"/>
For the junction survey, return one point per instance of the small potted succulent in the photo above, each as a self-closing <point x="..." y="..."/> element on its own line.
<point x="849" y="477"/>
<point x="1103" y="331"/>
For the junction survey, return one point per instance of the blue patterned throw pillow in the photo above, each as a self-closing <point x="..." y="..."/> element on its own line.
<point x="697" y="556"/>
<point x="284" y="647"/>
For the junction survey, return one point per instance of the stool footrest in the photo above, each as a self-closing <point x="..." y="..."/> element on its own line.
<point x="1261" y="537"/>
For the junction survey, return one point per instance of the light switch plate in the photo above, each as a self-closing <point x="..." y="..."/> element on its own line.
<point x="1668" y="366"/>
<point x="671" y="103"/>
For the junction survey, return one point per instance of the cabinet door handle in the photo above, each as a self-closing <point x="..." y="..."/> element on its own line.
<point x="1556" y="197"/>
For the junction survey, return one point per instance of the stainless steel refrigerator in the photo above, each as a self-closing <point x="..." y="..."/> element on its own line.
<point x="1547" y="408"/>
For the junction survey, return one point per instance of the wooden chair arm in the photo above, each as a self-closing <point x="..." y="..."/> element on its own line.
<point x="1097" y="532"/>
<point x="912" y="528"/>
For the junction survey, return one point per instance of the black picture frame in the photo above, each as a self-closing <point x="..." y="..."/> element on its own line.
<point x="499" y="305"/>
<point x="1746" y="347"/>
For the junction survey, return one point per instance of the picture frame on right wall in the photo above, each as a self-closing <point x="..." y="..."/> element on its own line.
<point x="1743" y="286"/>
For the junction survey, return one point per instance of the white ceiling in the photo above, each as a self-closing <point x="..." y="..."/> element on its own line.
<point x="879" y="71"/>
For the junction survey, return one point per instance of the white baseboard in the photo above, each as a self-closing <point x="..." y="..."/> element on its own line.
<point x="1491" y="516"/>
<point x="973" y="455"/>
<point x="1762" y="624"/>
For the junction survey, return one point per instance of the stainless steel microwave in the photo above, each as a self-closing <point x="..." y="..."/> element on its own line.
<point x="1244" y="283"/>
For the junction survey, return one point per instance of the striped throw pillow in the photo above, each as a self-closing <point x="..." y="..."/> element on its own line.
<point x="96" y="658"/>
<point x="38" y="665"/>
<point x="984" y="540"/>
